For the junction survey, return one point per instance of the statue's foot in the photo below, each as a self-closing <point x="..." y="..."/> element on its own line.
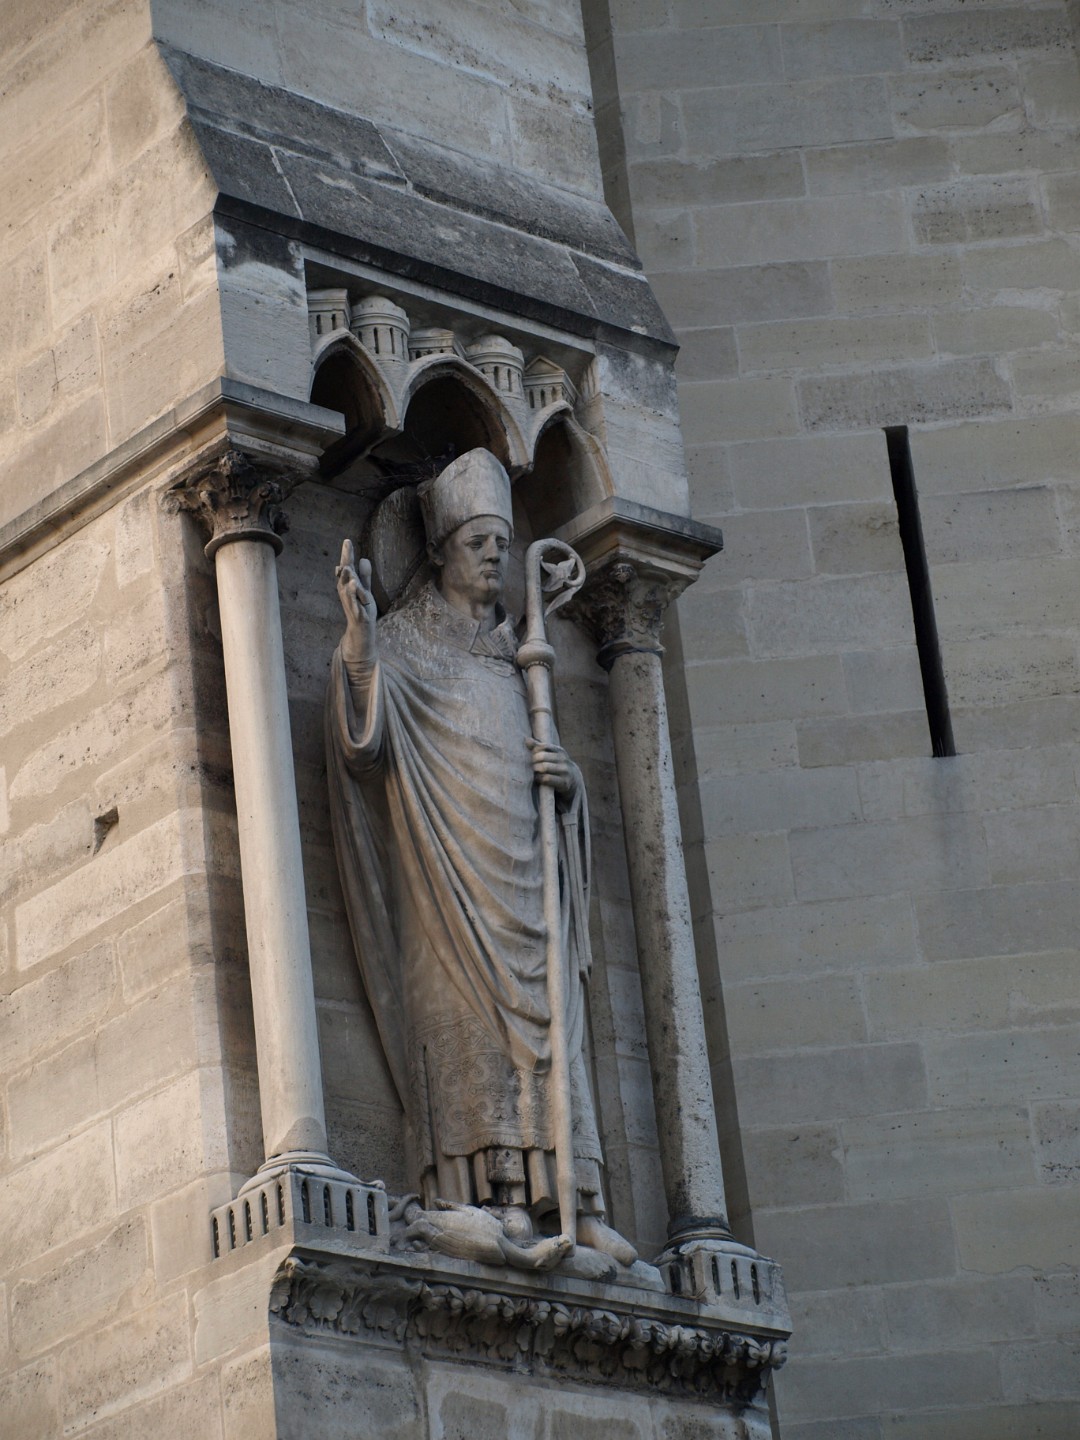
<point x="544" y="1255"/>
<point x="588" y="1264"/>
<point x="598" y="1236"/>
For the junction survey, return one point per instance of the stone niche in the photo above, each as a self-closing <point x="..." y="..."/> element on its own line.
<point x="339" y="1326"/>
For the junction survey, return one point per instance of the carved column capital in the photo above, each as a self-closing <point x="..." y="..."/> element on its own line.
<point x="638" y="561"/>
<point x="622" y="606"/>
<point x="234" y="497"/>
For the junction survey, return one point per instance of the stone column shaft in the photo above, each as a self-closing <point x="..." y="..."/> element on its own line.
<point x="237" y="501"/>
<point x="667" y="960"/>
<point x="275" y="904"/>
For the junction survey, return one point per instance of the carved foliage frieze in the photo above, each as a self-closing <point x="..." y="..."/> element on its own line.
<point x="584" y="1342"/>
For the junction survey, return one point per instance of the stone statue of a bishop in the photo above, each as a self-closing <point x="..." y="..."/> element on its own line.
<point x="434" y="777"/>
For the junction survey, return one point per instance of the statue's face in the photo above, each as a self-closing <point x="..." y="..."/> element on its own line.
<point x="472" y="562"/>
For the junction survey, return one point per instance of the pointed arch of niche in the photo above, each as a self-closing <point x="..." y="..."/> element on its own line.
<point x="345" y="378"/>
<point x="569" y="473"/>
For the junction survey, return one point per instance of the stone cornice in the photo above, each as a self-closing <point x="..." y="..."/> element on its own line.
<point x="632" y="1339"/>
<point x="638" y="561"/>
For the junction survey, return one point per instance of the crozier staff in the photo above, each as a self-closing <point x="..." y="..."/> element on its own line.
<point x="433" y="779"/>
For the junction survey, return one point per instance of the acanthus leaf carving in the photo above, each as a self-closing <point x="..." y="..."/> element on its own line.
<point x="580" y="1342"/>
<point x="234" y="498"/>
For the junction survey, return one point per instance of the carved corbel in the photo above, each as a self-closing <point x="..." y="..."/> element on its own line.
<point x="234" y="497"/>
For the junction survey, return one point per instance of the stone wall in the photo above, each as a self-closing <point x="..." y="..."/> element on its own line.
<point x="861" y="215"/>
<point x="106" y="242"/>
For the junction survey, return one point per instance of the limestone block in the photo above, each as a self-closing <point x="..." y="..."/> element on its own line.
<point x="142" y="106"/>
<point x="713" y="624"/>
<point x="163" y="1142"/>
<point x="53" y="1200"/>
<point x="1057" y="1137"/>
<point x="113" y="881"/>
<point x="877" y="1384"/>
<point x="808" y="471"/>
<point x="896" y="282"/>
<point x="1043" y="378"/>
<point x="999" y="33"/>
<point x="1039" y="843"/>
<point x="1030" y="265"/>
<point x="991" y="527"/>
<point x="945" y="1152"/>
<point x="841" y="1322"/>
<point x="827" y="1085"/>
<point x="792" y="1013"/>
<point x="830" y="1246"/>
<point x="745" y="292"/>
<point x="264" y="313"/>
<point x="1045" y="1371"/>
<point x="1002" y="920"/>
<point x="987" y="779"/>
<point x="1006" y="668"/>
<point x="39" y="852"/>
<point x="700" y="59"/>
<point x="37" y="388"/>
<point x="247" y="1396"/>
<point x="1002" y="1230"/>
<point x="29" y="1402"/>
<point x="810" y="229"/>
<point x="130" y="1361"/>
<point x="960" y="1312"/>
<point x="750" y="691"/>
<point x="56" y="1301"/>
<point x="192" y="1409"/>
<point x="135" y="640"/>
<point x="967" y="210"/>
<point x="915" y="395"/>
<point x="134" y="548"/>
<point x="743" y="749"/>
<point x="769" y="117"/>
<point x="1057" y="1297"/>
<point x="975" y="994"/>
<point x="841" y="47"/>
<point x="941" y="852"/>
<point x="44" y="81"/>
<point x="62" y="759"/>
<point x="795" y="1166"/>
<point x="197" y="254"/>
<point x="817" y="616"/>
<point x="855" y="539"/>
<point x="880" y="681"/>
<point x="353" y="1391"/>
<point x="24" y="304"/>
<point x="232" y="1311"/>
<point x="971" y="599"/>
<point x="706" y="354"/>
<point x="486" y="41"/>
<point x="1051" y="100"/>
<point x="749" y="870"/>
<point x="154" y="322"/>
<point x="998" y="1066"/>
<point x="82" y="256"/>
<point x="180" y="1228"/>
<point x="57" y="451"/>
<point x="863" y="737"/>
<point x="955" y="100"/>
<point x="740" y="409"/>
<point x="785" y="799"/>
<point x="817" y="344"/>
<point x="706" y="181"/>
<point x="60" y="158"/>
<point x="985" y="1422"/>
<point x="42" y="1014"/>
<point x="883" y="165"/>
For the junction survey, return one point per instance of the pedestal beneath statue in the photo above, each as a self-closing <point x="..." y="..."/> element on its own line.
<point x="365" y="1341"/>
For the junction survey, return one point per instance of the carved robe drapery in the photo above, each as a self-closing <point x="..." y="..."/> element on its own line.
<point x="435" y="818"/>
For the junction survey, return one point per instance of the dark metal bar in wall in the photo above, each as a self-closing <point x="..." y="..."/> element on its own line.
<point x="922" y="597"/>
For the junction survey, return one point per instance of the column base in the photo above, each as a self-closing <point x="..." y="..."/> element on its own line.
<point x="715" y="1269"/>
<point x="302" y="1201"/>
